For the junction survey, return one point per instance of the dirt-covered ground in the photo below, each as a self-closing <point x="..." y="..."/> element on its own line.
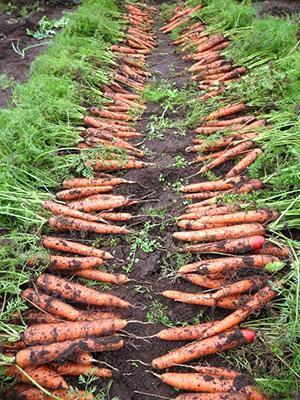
<point x="13" y="26"/>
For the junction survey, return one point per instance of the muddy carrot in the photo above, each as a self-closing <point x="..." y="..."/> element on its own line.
<point x="79" y="293"/>
<point x="228" y="155"/>
<point x="217" y="234"/>
<point x="74" y="263"/>
<point x="189" y="332"/>
<point x="212" y="396"/>
<point x="196" y="213"/>
<point x="51" y="305"/>
<point x="270" y="249"/>
<point x="243" y="286"/>
<point x="101" y="202"/>
<point x="66" y="211"/>
<point x="221" y="184"/>
<point x="234" y="246"/>
<point x="42" y="354"/>
<point x="73" y="369"/>
<point x="115" y="165"/>
<point x="198" y="349"/>
<point x="204" y="281"/>
<point x="217" y="371"/>
<point x="225" y="111"/>
<point x="110" y="216"/>
<point x="61" y="244"/>
<point x="77" y="193"/>
<point x="26" y="392"/>
<point x="202" y="195"/>
<point x="222" y="143"/>
<point x="244" y="163"/>
<point x="200" y="159"/>
<point x="111" y="115"/>
<point x="74" y="224"/>
<point x="100" y="276"/>
<point x="43" y="375"/>
<point x="50" y="333"/>
<point x="213" y="41"/>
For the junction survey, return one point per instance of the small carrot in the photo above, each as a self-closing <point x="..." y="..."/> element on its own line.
<point x="198" y="349"/>
<point x="75" y="224"/>
<point x="226" y="111"/>
<point x="42" y="354"/>
<point x="51" y="305"/>
<point x="77" y="193"/>
<point x="111" y="115"/>
<point x="217" y="371"/>
<point x="73" y="369"/>
<point x="109" y="216"/>
<point x="200" y="159"/>
<point x="62" y="263"/>
<point x="221" y="184"/>
<point x="217" y="234"/>
<point x="231" y="246"/>
<point x="50" y="333"/>
<point x="242" y="165"/>
<point x="100" y="276"/>
<point x="79" y="293"/>
<point x="43" y="375"/>
<point x="115" y="165"/>
<point x="60" y="244"/>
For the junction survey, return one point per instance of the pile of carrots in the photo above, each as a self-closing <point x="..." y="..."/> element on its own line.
<point x="233" y="236"/>
<point x="60" y="338"/>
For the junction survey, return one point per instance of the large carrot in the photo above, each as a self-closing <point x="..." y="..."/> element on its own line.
<point x="50" y="333"/>
<point x="100" y="276"/>
<point x="51" y="305"/>
<point x="213" y="41"/>
<point x="204" y="281"/>
<point x="281" y="252"/>
<point x="60" y="244"/>
<point x="26" y="392"/>
<point x="74" y="224"/>
<point x="189" y="332"/>
<point x="211" y="396"/>
<point x="217" y="265"/>
<point x="73" y="369"/>
<point x="43" y="375"/>
<point x="76" y="292"/>
<point x="66" y="211"/>
<point x="243" y="286"/>
<point x="42" y="354"/>
<point x="217" y="234"/>
<point x="232" y="246"/>
<point x="74" y="263"/>
<point x="111" y="115"/>
<point x="244" y="162"/>
<point x="225" y="111"/>
<point x="218" y="145"/>
<point x="228" y="155"/>
<point x="102" y="202"/>
<point x="115" y="165"/>
<point x="77" y="193"/>
<point x="198" y="349"/>
<point x="217" y="371"/>
<point x="221" y="184"/>
<point x="197" y="213"/>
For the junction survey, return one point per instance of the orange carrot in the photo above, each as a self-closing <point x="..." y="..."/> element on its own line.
<point x="26" y="392"/>
<point x="74" y="224"/>
<point x="73" y="194"/>
<point x="40" y="317"/>
<point x="62" y="263"/>
<point x="244" y="162"/>
<point x="243" y="286"/>
<point x="221" y="184"/>
<point x="233" y="246"/>
<point x="60" y="244"/>
<point x="51" y="305"/>
<point x="50" y="333"/>
<point x="198" y="349"/>
<point x="110" y="216"/>
<point x="79" y="293"/>
<point x="270" y="249"/>
<point x="217" y="234"/>
<point x="217" y="371"/>
<point x="100" y="276"/>
<point x="115" y="165"/>
<point x="197" y="213"/>
<point x="212" y="396"/>
<point x="43" y="375"/>
<point x="189" y="332"/>
<point x="213" y="41"/>
<point x="204" y="281"/>
<point x="225" y="111"/>
<point x="101" y="202"/>
<point x="200" y="159"/>
<point x="110" y="115"/>
<point x="62" y="210"/>
<point x="73" y="369"/>
<point x="42" y="354"/>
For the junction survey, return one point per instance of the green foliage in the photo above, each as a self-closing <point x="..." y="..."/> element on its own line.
<point x="47" y="27"/>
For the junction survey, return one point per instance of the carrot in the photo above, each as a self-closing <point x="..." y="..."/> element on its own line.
<point x="233" y="246"/>
<point x="63" y="210"/>
<point x="102" y="202"/>
<point x="60" y="244"/>
<point x="74" y="224"/>
<point x="228" y="155"/>
<point x="221" y="184"/>
<point x="97" y="315"/>
<point x="222" y="143"/>
<point x="204" y="281"/>
<point x="217" y="371"/>
<point x="217" y="234"/>
<point x="109" y="216"/>
<point x="245" y="119"/>
<point x="262" y="216"/>
<point x="216" y="62"/>
<point x="25" y="392"/>
<point x="254" y="304"/>
<point x="199" y="55"/>
<point x="229" y="75"/>
<point x="200" y="159"/>
<point x="197" y="213"/>
<point x="175" y="24"/>
<point x="76" y="193"/>
<point x="74" y="263"/>
<point x="200" y="76"/>
<point x="202" y="195"/>
<point x="225" y="111"/>
<point x="213" y="41"/>
<point x="79" y="293"/>
<point x="42" y="354"/>
<point x="43" y="375"/>
<point x="206" y="60"/>
<point x="50" y="333"/>
<point x="189" y="332"/>
<point x="243" y="286"/>
<point x="40" y="317"/>
<point x="83" y="359"/>
<point x="244" y="162"/>
<point x="73" y="369"/>
<point x="213" y="93"/>
<point x="217" y="265"/>
<point x="51" y="305"/>
<point x="270" y="249"/>
<point x="115" y="165"/>
<point x="198" y="349"/>
<point x="100" y="276"/>
<point x="110" y="115"/>
<point x="211" y="396"/>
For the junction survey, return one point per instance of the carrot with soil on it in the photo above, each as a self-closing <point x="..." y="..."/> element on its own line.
<point x="62" y="263"/>
<point x="115" y="165"/>
<point x="77" y="193"/>
<point x="211" y="396"/>
<point x="101" y="203"/>
<point x="100" y="276"/>
<point x="196" y="213"/>
<point x="204" y="281"/>
<point x="270" y="249"/>
<point x="66" y="211"/>
<point x="73" y="369"/>
<point x="61" y="244"/>
<point x="78" y="293"/>
<point x="244" y="163"/>
<point x="117" y="217"/>
<point x="226" y="111"/>
<point x="198" y="349"/>
<point x="26" y="392"/>
<point x="221" y="184"/>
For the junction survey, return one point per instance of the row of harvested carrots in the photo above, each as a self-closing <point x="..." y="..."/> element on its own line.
<point x="59" y="338"/>
<point x="238" y="280"/>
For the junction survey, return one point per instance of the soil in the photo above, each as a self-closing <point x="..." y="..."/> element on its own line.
<point x="279" y="8"/>
<point x="13" y="30"/>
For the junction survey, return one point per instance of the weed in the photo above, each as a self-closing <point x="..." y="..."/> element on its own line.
<point x="180" y="162"/>
<point x="157" y="125"/>
<point x="6" y="82"/>
<point x="159" y="314"/>
<point x="47" y="27"/>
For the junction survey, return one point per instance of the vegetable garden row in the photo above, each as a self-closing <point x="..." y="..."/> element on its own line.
<point x="234" y="206"/>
